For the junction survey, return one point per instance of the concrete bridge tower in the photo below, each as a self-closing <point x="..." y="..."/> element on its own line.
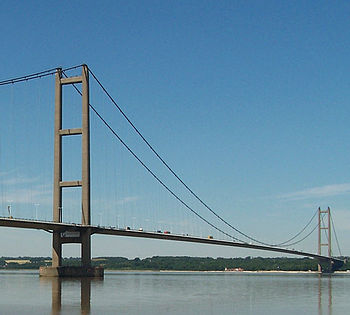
<point x="83" y="236"/>
<point x="324" y="240"/>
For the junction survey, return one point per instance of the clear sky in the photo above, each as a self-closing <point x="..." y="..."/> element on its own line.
<point x="246" y="100"/>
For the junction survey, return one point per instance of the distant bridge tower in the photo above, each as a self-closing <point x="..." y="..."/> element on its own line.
<point x="84" y="235"/>
<point x="324" y="240"/>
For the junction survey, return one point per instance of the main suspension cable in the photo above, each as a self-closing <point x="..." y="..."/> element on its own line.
<point x="178" y="177"/>
<point x="168" y="167"/>
<point x="305" y="237"/>
<point x="301" y="231"/>
<point x="152" y="173"/>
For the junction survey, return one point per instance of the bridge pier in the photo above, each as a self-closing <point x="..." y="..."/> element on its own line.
<point x="71" y="272"/>
<point x="83" y="236"/>
<point x="329" y="266"/>
<point x="58" y="270"/>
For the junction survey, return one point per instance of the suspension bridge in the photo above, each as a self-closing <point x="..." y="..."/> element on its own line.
<point x="83" y="185"/>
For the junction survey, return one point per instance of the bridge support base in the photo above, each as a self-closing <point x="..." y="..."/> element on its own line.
<point x="71" y="272"/>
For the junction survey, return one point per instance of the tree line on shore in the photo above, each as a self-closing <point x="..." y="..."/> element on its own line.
<point x="178" y="263"/>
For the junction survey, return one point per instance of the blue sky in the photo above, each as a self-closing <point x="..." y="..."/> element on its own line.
<point x="247" y="100"/>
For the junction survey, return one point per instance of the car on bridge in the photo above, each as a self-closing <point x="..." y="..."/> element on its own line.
<point x="166" y="232"/>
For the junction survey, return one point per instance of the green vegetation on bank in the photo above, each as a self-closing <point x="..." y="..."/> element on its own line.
<point x="180" y="263"/>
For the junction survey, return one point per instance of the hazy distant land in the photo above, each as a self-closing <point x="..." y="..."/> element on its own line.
<point x="176" y="263"/>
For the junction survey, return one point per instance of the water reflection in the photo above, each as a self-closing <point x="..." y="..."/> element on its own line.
<point x="74" y="295"/>
<point x="71" y="286"/>
<point x="325" y="294"/>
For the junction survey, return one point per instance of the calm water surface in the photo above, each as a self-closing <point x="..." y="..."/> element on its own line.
<point x="176" y="293"/>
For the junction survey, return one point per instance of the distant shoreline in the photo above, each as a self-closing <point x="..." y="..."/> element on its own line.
<point x="195" y="271"/>
<point x="222" y="271"/>
<point x="179" y="264"/>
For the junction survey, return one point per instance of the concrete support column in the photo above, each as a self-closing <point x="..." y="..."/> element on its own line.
<point x="86" y="220"/>
<point x="56" y="250"/>
<point x="57" y="190"/>
<point x="85" y="188"/>
<point x="329" y="233"/>
<point x="330" y="267"/>
<point x="86" y="248"/>
<point x="319" y="268"/>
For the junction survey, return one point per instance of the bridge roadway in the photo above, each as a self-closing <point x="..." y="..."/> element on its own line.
<point x="49" y="226"/>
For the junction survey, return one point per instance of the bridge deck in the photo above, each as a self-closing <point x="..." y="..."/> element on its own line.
<point x="62" y="227"/>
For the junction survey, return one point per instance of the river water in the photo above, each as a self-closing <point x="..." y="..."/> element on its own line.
<point x="23" y="292"/>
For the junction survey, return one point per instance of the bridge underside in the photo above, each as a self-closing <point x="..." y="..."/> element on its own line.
<point x="70" y="232"/>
